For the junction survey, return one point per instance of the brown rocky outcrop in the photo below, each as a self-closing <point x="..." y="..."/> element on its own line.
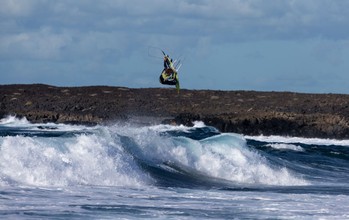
<point x="246" y="112"/>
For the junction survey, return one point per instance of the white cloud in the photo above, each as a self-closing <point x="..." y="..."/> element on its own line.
<point x="17" y="7"/>
<point x="42" y="44"/>
<point x="104" y="33"/>
<point x="223" y="21"/>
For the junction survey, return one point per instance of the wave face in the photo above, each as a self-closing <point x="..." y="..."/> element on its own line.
<point x="162" y="155"/>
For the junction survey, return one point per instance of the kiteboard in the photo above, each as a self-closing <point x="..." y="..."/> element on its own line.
<point x="177" y="66"/>
<point x="177" y="82"/>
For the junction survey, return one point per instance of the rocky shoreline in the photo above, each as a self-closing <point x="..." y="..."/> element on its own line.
<point x="245" y="112"/>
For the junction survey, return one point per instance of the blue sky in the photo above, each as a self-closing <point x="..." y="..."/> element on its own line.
<point x="263" y="45"/>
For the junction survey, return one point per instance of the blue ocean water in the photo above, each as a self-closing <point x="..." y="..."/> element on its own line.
<point x="130" y="171"/>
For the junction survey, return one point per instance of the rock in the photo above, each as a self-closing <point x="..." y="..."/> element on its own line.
<point x="245" y="112"/>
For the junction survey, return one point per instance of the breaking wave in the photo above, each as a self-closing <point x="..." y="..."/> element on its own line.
<point x="131" y="155"/>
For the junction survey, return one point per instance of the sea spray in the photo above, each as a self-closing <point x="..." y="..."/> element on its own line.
<point x="81" y="160"/>
<point x="227" y="157"/>
<point x="121" y="155"/>
<point x="57" y="171"/>
<point x="224" y="156"/>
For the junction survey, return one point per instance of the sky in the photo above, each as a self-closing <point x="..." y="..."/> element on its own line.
<point x="261" y="45"/>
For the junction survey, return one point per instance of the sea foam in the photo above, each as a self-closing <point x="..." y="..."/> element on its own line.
<point x="111" y="156"/>
<point x="82" y="160"/>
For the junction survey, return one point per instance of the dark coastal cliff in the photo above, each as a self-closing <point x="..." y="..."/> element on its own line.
<point x="246" y="112"/>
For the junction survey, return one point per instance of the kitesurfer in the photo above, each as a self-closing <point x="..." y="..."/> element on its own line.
<point x="167" y="62"/>
<point x="168" y="74"/>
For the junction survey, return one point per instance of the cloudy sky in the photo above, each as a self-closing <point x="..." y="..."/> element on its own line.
<point x="263" y="45"/>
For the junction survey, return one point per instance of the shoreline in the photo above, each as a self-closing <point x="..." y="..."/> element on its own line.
<point x="245" y="112"/>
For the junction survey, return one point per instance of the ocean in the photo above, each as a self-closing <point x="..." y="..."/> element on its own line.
<point x="133" y="171"/>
